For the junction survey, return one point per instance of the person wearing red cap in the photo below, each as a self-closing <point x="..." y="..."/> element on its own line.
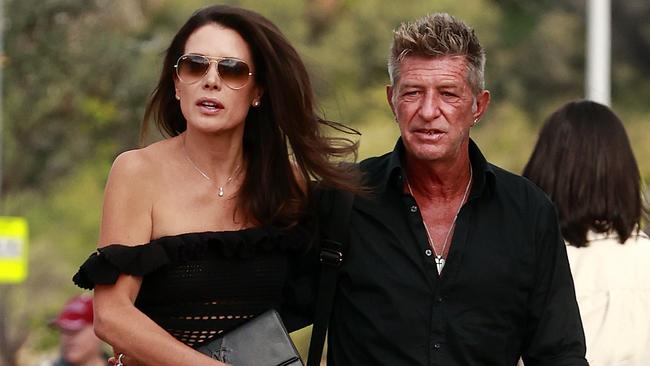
<point x="79" y="344"/>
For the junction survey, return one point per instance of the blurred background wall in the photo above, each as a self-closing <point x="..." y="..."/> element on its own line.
<point x="77" y="74"/>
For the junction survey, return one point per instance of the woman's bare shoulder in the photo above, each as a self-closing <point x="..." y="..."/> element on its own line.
<point x="144" y="161"/>
<point x="132" y="189"/>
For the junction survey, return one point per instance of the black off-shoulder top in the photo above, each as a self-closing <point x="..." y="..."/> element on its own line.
<point x="198" y="285"/>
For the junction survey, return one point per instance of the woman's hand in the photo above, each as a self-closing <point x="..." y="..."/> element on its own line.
<point x="120" y="359"/>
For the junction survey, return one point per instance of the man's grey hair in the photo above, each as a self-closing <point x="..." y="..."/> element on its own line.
<point x="438" y="35"/>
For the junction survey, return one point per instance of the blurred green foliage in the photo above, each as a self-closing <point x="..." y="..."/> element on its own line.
<point x="78" y="74"/>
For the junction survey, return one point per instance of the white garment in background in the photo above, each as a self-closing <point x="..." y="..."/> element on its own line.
<point x="612" y="284"/>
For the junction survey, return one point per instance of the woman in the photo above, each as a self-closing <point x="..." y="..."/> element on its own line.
<point x="584" y="162"/>
<point x="199" y="230"/>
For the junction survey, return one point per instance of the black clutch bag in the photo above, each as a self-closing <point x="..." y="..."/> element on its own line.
<point x="261" y="341"/>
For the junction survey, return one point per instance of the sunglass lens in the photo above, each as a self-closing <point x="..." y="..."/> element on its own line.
<point x="233" y="72"/>
<point x="191" y="68"/>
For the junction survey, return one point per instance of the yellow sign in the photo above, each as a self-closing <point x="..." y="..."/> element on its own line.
<point x="13" y="249"/>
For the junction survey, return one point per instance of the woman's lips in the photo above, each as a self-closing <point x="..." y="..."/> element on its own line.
<point x="209" y="105"/>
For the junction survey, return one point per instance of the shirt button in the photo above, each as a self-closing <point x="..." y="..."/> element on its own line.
<point x="437" y="346"/>
<point x="439" y="299"/>
<point x="428" y="252"/>
<point x="414" y="208"/>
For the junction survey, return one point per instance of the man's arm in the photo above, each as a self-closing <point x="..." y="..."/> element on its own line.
<point x="554" y="335"/>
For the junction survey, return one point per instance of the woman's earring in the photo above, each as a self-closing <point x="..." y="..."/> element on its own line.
<point x="178" y="97"/>
<point x="256" y="103"/>
<point x="475" y="122"/>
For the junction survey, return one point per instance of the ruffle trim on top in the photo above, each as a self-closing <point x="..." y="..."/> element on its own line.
<point x="104" y="266"/>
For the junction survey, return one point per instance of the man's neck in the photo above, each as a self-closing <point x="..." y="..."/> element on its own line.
<point x="437" y="180"/>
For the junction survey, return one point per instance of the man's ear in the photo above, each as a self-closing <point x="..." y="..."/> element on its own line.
<point x="481" y="104"/>
<point x="389" y="97"/>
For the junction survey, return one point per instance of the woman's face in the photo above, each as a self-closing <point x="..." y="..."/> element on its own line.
<point x="208" y="102"/>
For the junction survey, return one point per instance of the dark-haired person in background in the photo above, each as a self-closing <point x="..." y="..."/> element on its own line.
<point x="584" y="162"/>
<point x="200" y="231"/>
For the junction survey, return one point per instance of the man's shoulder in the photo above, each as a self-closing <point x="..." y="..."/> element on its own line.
<point x="506" y="177"/>
<point x="375" y="162"/>
<point x="518" y="187"/>
<point x="377" y="167"/>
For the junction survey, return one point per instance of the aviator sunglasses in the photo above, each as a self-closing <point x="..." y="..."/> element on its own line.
<point x="192" y="67"/>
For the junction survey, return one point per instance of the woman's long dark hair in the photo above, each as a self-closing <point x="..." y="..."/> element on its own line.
<point x="285" y="123"/>
<point x="584" y="162"/>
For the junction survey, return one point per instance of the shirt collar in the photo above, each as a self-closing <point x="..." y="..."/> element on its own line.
<point x="484" y="176"/>
<point x="612" y="235"/>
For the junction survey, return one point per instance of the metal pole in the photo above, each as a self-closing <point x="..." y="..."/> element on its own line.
<point x="599" y="43"/>
<point x="2" y="66"/>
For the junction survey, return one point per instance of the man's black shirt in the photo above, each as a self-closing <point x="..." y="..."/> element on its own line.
<point x="506" y="289"/>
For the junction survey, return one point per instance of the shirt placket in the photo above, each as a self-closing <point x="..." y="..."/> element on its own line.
<point x="437" y="299"/>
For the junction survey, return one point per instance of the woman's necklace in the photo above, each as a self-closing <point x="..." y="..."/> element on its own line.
<point x="220" y="191"/>
<point x="440" y="261"/>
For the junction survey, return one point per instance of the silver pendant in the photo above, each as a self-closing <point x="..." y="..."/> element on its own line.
<point x="220" y="192"/>
<point x="440" y="263"/>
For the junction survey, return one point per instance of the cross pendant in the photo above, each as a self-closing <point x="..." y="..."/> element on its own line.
<point x="440" y="262"/>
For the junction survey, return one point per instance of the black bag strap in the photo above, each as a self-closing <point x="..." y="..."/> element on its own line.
<point x="334" y="226"/>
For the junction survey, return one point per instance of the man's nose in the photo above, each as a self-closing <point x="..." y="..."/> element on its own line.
<point x="429" y="107"/>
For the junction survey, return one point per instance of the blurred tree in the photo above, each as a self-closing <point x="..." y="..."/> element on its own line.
<point x="74" y="82"/>
<point x="11" y="337"/>
<point x="75" y="79"/>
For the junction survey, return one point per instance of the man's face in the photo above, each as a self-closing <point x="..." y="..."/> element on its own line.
<point x="78" y="346"/>
<point x="434" y="106"/>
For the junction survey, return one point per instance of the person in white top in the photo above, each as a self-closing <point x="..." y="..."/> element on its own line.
<point x="584" y="162"/>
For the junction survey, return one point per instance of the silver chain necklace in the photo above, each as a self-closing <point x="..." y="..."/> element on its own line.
<point x="220" y="191"/>
<point x="440" y="261"/>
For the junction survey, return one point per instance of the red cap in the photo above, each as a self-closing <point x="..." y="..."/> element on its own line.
<point x="76" y="314"/>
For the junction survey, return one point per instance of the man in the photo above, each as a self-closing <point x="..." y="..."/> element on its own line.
<point x="452" y="260"/>
<point x="79" y="345"/>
